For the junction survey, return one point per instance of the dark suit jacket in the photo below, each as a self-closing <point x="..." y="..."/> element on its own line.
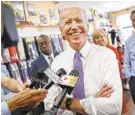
<point x="38" y="65"/>
<point x="37" y="68"/>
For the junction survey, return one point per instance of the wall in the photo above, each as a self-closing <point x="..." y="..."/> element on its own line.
<point x="37" y="30"/>
<point x="114" y="15"/>
<point x="40" y="7"/>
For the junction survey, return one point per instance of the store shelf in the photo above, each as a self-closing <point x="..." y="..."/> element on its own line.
<point x="33" y="26"/>
<point x="26" y="25"/>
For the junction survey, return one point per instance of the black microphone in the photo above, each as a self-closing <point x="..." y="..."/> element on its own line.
<point x="38" y="77"/>
<point x="49" y="74"/>
<point x="60" y="72"/>
<point x="67" y="83"/>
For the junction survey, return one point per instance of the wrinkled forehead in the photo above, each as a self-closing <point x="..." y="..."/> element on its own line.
<point x="76" y="11"/>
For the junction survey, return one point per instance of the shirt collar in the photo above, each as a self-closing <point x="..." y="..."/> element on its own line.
<point x="84" y="50"/>
<point x="48" y="55"/>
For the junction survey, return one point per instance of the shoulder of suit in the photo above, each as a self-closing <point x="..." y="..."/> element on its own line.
<point x="38" y="59"/>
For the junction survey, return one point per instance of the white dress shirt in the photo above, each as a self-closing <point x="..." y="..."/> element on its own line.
<point x="100" y="66"/>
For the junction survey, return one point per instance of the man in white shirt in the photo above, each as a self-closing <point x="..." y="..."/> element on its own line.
<point x="99" y="66"/>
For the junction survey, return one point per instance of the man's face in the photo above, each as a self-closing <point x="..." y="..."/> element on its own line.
<point x="133" y="19"/>
<point x="73" y="27"/>
<point x="45" y="46"/>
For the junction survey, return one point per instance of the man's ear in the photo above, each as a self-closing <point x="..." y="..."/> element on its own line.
<point x="62" y="34"/>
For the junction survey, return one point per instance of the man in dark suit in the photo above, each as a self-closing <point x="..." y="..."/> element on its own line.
<point x="44" y="60"/>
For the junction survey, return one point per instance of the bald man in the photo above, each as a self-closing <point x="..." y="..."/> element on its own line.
<point x="95" y="64"/>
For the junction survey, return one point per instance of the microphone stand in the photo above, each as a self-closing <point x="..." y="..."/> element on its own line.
<point x="57" y="103"/>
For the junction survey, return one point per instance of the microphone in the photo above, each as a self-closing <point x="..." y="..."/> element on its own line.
<point x="49" y="74"/>
<point x="60" y="72"/>
<point x="38" y="77"/>
<point x="67" y="83"/>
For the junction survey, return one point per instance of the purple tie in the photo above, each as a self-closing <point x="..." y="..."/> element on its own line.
<point x="78" y="91"/>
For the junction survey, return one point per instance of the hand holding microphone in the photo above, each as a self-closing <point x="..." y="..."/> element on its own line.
<point x="54" y="77"/>
<point x="68" y="84"/>
<point x="60" y="72"/>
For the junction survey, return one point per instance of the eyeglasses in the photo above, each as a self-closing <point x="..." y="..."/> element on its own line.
<point x="70" y="23"/>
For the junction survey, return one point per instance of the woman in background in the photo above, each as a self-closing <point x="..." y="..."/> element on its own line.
<point x="99" y="37"/>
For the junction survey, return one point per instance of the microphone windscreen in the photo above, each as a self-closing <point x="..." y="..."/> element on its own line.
<point x="61" y="72"/>
<point x="74" y="73"/>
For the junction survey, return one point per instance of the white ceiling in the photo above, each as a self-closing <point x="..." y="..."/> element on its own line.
<point x="103" y="6"/>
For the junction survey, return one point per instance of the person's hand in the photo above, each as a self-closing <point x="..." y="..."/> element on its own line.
<point x="27" y="98"/>
<point x="106" y="91"/>
<point x="23" y="86"/>
<point x="26" y="85"/>
<point x="62" y="106"/>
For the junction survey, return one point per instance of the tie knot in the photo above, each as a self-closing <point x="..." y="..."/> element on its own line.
<point x="50" y="59"/>
<point x="77" y="55"/>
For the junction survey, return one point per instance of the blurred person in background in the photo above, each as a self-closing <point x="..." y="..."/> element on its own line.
<point x="46" y="54"/>
<point x="129" y="59"/>
<point x="25" y="97"/>
<point x="99" y="37"/>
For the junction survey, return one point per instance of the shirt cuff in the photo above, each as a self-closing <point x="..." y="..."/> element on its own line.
<point x="4" y="109"/>
<point x="88" y="106"/>
<point x="53" y="92"/>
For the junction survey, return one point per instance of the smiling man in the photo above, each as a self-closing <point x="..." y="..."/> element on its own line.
<point x="98" y="90"/>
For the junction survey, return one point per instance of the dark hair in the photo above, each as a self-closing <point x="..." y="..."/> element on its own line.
<point x="119" y="47"/>
<point x="43" y="36"/>
<point x="132" y="14"/>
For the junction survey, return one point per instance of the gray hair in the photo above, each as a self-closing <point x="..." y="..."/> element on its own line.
<point x="68" y="7"/>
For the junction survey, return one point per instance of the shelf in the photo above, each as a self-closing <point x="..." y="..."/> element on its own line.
<point x="25" y="24"/>
<point x="32" y="26"/>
